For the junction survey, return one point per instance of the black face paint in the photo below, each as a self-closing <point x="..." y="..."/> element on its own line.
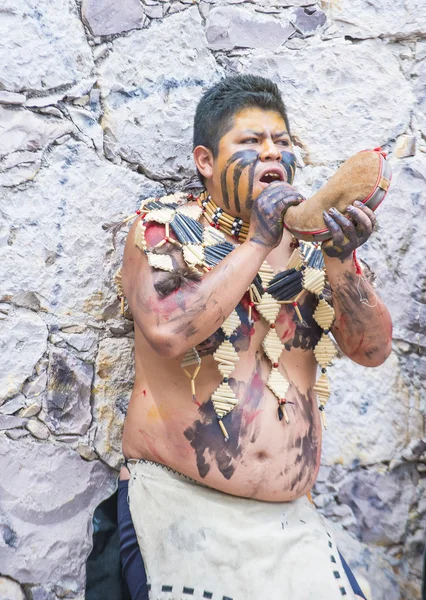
<point x="239" y="168"/>
<point x="250" y="158"/>
<point x="288" y="160"/>
<point x="246" y="157"/>
<point x="249" y="200"/>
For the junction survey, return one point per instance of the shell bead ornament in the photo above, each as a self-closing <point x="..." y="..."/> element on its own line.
<point x="365" y="177"/>
<point x="203" y="247"/>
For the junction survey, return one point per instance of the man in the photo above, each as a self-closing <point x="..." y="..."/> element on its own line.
<point x="230" y="518"/>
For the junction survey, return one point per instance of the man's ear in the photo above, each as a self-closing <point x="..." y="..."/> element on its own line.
<point x="203" y="158"/>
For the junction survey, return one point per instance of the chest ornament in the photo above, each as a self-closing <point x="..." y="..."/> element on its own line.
<point x="202" y="249"/>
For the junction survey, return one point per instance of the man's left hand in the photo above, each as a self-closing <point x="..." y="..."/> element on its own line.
<point x="348" y="235"/>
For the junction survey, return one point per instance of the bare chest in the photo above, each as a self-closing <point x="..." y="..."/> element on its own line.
<point x="293" y="332"/>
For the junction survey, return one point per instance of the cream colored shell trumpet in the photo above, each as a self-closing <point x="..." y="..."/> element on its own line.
<point x="365" y="177"/>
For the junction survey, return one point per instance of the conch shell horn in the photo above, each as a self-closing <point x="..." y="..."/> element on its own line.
<point x="366" y="177"/>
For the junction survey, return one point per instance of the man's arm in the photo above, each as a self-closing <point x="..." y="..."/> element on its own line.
<point x="363" y="327"/>
<point x="183" y="317"/>
<point x="180" y="319"/>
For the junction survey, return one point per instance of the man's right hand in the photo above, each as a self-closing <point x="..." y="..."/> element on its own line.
<point x="266" y="222"/>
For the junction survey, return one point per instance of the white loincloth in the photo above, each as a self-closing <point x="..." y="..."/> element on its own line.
<point x="200" y="543"/>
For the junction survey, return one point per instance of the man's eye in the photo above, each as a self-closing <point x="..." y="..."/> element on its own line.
<point x="284" y="142"/>
<point x="249" y="141"/>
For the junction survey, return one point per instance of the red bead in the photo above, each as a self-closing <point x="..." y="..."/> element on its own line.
<point x="138" y="212"/>
<point x="217" y="226"/>
<point x="166" y="239"/>
<point x="283" y="401"/>
<point x="212" y="224"/>
<point x="272" y="326"/>
<point x="251" y="304"/>
<point x="190" y="196"/>
<point x="294" y="303"/>
<point x="275" y="365"/>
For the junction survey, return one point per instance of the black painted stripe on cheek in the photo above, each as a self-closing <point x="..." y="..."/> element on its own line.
<point x="249" y="201"/>
<point x="225" y="195"/>
<point x="236" y="156"/>
<point x="238" y="170"/>
<point x="288" y="159"/>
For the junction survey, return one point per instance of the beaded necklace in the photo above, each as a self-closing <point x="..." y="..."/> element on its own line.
<point x="217" y="217"/>
<point x="202" y="249"/>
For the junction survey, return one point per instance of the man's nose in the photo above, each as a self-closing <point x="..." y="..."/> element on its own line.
<point x="269" y="151"/>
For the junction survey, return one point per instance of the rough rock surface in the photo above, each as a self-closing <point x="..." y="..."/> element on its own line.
<point x="42" y="45"/>
<point x="67" y="401"/>
<point x="38" y="429"/>
<point x="380" y="503"/>
<point x="398" y="258"/>
<point x="24" y="137"/>
<point x="34" y="387"/>
<point x="11" y="422"/>
<point x="30" y="411"/>
<point x="13" y="405"/>
<point x="151" y="82"/>
<point x="377" y="416"/>
<point x="23" y="340"/>
<point x="106" y="17"/>
<point x="61" y="241"/>
<point x="12" y="98"/>
<point x="309" y="19"/>
<point x="112" y="388"/>
<point x="419" y="74"/>
<point x="232" y="27"/>
<point x="96" y="107"/>
<point x="325" y="84"/>
<point x="363" y="19"/>
<point x="10" y="590"/>
<point x="42" y="514"/>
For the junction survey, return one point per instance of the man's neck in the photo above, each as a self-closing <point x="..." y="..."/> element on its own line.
<point x="220" y="219"/>
<point x="230" y="211"/>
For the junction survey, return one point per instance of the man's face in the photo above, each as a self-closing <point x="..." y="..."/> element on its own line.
<point x="254" y="153"/>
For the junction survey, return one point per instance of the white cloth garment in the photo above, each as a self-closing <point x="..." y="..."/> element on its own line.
<point x="200" y="543"/>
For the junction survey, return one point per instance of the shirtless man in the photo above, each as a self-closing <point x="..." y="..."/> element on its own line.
<point x="241" y="133"/>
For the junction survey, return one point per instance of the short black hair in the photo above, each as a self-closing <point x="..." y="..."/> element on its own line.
<point x="221" y="102"/>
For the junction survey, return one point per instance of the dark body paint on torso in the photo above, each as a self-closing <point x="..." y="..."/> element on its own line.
<point x="240" y="339"/>
<point x="307" y="333"/>
<point x="204" y="436"/>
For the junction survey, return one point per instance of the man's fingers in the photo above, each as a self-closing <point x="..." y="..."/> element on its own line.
<point x="347" y="226"/>
<point x="283" y="198"/>
<point x="294" y="200"/>
<point x="364" y="217"/>
<point x="365" y="210"/>
<point x="281" y="189"/>
<point x="335" y="229"/>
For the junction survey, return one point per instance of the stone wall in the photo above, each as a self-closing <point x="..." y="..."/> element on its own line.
<point x="96" y="106"/>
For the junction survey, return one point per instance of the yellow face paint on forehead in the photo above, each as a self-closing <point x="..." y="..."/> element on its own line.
<point x="256" y="120"/>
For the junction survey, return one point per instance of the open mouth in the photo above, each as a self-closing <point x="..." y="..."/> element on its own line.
<point x="270" y="178"/>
